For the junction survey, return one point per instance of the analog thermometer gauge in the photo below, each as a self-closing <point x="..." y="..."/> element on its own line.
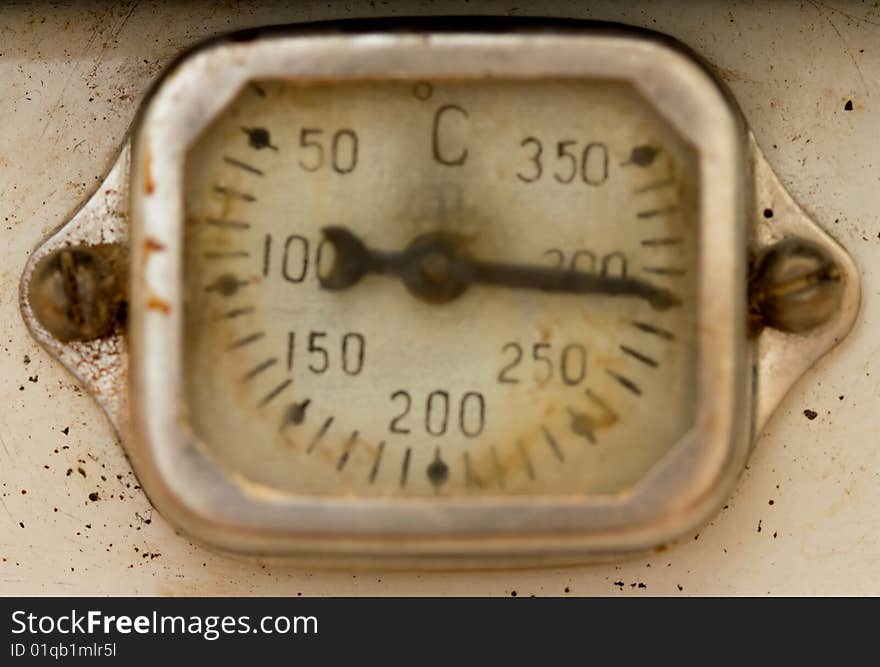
<point x="493" y="295"/>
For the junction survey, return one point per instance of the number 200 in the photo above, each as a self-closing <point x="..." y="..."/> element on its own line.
<point x="471" y="413"/>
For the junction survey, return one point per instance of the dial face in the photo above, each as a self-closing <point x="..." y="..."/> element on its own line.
<point x="440" y="288"/>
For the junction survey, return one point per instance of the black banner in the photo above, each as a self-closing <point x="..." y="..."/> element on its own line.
<point x="395" y="630"/>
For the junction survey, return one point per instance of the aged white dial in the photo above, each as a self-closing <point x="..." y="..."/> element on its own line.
<point x="517" y="307"/>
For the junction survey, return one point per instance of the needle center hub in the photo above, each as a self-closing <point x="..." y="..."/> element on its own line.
<point x="433" y="272"/>
<point x="436" y="267"/>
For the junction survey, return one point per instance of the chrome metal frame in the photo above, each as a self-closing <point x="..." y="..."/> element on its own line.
<point x="187" y="485"/>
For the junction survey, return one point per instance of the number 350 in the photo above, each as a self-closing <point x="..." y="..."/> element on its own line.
<point x="590" y="163"/>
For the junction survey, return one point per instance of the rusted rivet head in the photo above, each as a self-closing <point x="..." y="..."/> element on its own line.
<point x="78" y="293"/>
<point x="795" y="287"/>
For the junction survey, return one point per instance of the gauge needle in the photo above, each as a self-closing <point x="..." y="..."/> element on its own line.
<point x="435" y="268"/>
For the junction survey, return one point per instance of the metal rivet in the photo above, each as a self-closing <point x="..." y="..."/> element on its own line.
<point x="795" y="286"/>
<point x="78" y="293"/>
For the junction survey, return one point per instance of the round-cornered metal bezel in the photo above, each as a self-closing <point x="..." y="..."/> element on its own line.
<point x="679" y="493"/>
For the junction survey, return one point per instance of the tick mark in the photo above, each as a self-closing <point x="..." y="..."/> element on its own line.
<point x="656" y="212"/>
<point x="244" y="166"/>
<point x="226" y="284"/>
<point x="653" y="243"/>
<point x="228" y="224"/>
<point x="236" y="312"/>
<point x="663" y="271"/>
<point x="625" y="382"/>
<point x="586" y="425"/>
<point x="258" y="138"/>
<point x="320" y="434"/>
<point x="241" y="342"/>
<point x="272" y="394"/>
<point x="259" y="368"/>
<point x="655" y="331"/>
<point x="291" y="341"/>
<point x="226" y="254"/>
<point x="583" y="425"/>
<point x="554" y="445"/>
<point x="656" y="185"/>
<point x="641" y="156"/>
<point x="496" y="466"/>
<point x="404" y="469"/>
<point x="470" y="479"/>
<point x="347" y="452"/>
<point x="232" y="192"/>
<point x="527" y="463"/>
<point x="437" y="471"/>
<point x="635" y="354"/>
<point x="375" y="469"/>
<point x="296" y="413"/>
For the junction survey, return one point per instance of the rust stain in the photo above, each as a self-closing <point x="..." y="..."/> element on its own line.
<point x="546" y="332"/>
<point x="155" y="303"/>
<point x="152" y="245"/>
<point x="149" y="183"/>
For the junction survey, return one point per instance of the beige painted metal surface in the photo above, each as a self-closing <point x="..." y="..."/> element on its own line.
<point x="803" y="518"/>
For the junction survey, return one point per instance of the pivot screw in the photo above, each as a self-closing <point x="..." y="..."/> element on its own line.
<point x="436" y="267"/>
<point x="795" y="287"/>
<point x="78" y="293"/>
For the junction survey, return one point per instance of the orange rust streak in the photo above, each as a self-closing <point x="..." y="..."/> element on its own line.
<point x="149" y="183"/>
<point x="155" y="303"/>
<point x="151" y="245"/>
